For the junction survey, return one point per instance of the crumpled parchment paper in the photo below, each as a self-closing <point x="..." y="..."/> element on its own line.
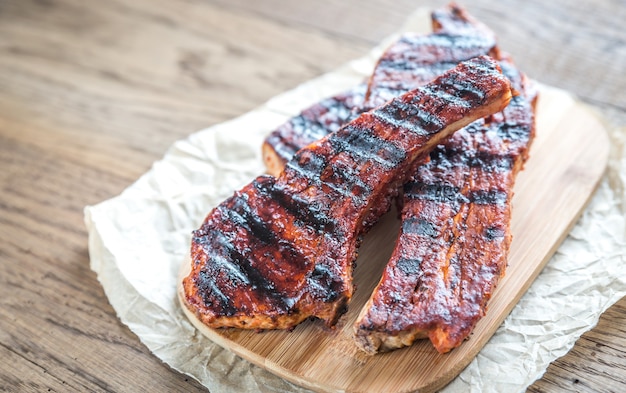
<point x="138" y="240"/>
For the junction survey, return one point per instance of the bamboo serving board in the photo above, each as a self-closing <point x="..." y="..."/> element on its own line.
<point x="567" y="161"/>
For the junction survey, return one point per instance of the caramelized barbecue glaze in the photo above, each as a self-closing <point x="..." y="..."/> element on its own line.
<point x="445" y="202"/>
<point x="455" y="234"/>
<point x="281" y="249"/>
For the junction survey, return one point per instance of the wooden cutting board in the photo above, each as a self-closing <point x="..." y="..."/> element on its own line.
<point x="567" y="161"/>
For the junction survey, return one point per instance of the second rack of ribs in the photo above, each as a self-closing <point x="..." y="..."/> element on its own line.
<point x="455" y="234"/>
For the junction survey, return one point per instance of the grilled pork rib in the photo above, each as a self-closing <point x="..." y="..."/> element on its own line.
<point x="455" y="233"/>
<point x="409" y="63"/>
<point x="281" y="249"/>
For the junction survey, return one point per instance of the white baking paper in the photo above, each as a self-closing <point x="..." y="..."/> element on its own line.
<point x="138" y="240"/>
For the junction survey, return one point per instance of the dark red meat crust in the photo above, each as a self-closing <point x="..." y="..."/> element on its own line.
<point x="281" y="250"/>
<point x="455" y="234"/>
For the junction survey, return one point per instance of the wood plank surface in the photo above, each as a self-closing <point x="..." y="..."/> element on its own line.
<point x="91" y="93"/>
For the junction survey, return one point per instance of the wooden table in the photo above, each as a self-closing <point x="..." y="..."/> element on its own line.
<point x="91" y="93"/>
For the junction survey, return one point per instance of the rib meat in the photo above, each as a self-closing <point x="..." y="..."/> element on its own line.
<point x="455" y="233"/>
<point x="281" y="250"/>
<point x="486" y="154"/>
<point x="312" y="124"/>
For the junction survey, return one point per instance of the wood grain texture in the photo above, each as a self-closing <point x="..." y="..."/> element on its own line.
<point x="91" y="93"/>
<point x="605" y="345"/>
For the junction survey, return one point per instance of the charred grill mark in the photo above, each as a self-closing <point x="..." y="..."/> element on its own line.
<point x="493" y="233"/>
<point x="420" y="226"/>
<point x="363" y="145"/>
<point x="325" y="284"/>
<point x="414" y="68"/>
<point x="409" y="266"/>
<point x="342" y="180"/>
<point x="307" y="212"/>
<point x="450" y="194"/>
<point x="348" y="179"/>
<point x="308" y="128"/>
<point x="492" y="163"/>
<point x="409" y="117"/>
<point x="434" y="192"/>
<point x="339" y="109"/>
<point x="316" y="122"/>
<point x="513" y="131"/>
<point x="309" y="164"/>
<point x="449" y="95"/>
<point x="237" y="268"/>
<point x="469" y="45"/>
<point x="439" y="156"/>
<point x="453" y="156"/>
<point x="488" y="197"/>
<point x="211" y="293"/>
<point x="242" y="215"/>
<point x="459" y="91"/>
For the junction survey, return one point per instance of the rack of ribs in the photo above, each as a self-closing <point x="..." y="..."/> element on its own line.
<point x="409" y="63"/>
<point x="455" y="233"/>
<point x="282" y="249"/>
